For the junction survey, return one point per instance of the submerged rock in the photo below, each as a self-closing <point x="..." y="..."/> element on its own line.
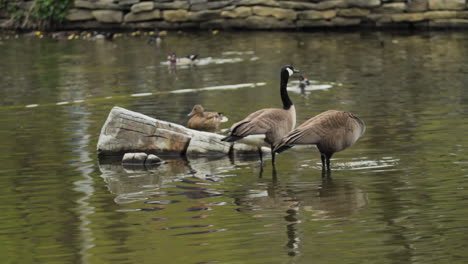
<point x="141" y="159"/>
<point x="153" y="160"/>
<point x="134" y="158"/>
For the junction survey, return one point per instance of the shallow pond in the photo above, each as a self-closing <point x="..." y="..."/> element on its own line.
<point x="400" y="195"/>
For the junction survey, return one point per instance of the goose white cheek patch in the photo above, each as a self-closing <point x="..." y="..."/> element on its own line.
<point x="290" y="71"/>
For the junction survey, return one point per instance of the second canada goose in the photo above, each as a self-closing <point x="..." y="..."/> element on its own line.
<point x="331" y="131"/>
<point x="270" y="123"/>
<point x="205" y="121"/>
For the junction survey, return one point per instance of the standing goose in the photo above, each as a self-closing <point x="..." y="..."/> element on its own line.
<point x="271" y="124"/>
<point x="205" y="121"/>
<point x="331" y="131"/>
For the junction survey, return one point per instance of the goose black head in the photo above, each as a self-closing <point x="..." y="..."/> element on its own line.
<point x="286" y="72"/>
<point x="289" y="69"/>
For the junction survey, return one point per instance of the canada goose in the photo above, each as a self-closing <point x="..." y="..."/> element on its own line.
<point x="205" y="121"/>
<point x="189" y="59"/>
<point x="270" y="123"/>
<point x="331" y="131"/>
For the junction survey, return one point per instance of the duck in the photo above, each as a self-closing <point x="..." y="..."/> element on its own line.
<point x="205" y="121"/>
<point x="61" y="35"/>
<point x="154" y="38"/>
<point x="331" y="131"/>
<point x="303" y="82"/>
<point x="109" y="36"/>
<point x="189" y="59"/>
<point x="267" y="126"/>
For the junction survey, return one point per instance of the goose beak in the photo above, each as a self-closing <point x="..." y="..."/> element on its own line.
<point x="191" y="113"/>
<point x="296" y="70"/>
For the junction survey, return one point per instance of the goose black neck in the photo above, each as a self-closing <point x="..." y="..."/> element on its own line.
<point x="284" y="93"/>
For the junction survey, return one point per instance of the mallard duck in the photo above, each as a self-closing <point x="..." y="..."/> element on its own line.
<point x="303" y="82"/>
<point x="205" y="121"/>
<point x="189" y="59"/>
<point x="269" y="125"/>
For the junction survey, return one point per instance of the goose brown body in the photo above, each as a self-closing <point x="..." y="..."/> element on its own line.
<point x="204" y="121"/>
<point x="272" y="123"/>
<point x="331" y="131"/>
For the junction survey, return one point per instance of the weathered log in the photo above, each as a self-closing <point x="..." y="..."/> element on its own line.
<point x="126" y="131"/>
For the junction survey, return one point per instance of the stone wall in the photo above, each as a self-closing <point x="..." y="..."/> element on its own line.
<point x="266" y="14"/>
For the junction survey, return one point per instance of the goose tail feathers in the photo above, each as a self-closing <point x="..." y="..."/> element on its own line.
<point x="282" y="146"/>
<point x="231" y="138"/>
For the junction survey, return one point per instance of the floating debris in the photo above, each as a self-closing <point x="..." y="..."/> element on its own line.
<point x="141" y="94"/>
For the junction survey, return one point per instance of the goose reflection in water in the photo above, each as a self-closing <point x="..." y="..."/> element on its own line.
<point x="327" y="199"/>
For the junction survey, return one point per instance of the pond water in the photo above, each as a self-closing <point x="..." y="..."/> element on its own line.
<point x="399" y="195"/>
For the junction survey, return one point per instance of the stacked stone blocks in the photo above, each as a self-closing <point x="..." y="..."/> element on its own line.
<point x="266" y="14"/>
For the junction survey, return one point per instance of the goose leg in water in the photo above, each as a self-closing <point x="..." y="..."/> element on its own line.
<point x="272" y="156"/>
<point x="261" y="155"/>
<point x="322" y="156"/>
<point x="326" y="174"/>
<point x="328" y="156"/>
<point x="325" y="160"/>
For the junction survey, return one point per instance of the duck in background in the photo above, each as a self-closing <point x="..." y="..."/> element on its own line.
<point x="109" y="36"/>
<point x="96" y="35"/>
<point x="155" y="37"/>
<point x="205" y="121"/>
<point x="303" y="82"/>
<point x="63" y="35"/>
<point x="186" y="60"/>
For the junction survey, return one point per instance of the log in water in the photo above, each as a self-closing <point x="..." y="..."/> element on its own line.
<point x="127" y="131"/>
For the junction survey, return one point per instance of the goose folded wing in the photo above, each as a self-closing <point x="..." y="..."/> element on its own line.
<point x="257" y="123"/>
